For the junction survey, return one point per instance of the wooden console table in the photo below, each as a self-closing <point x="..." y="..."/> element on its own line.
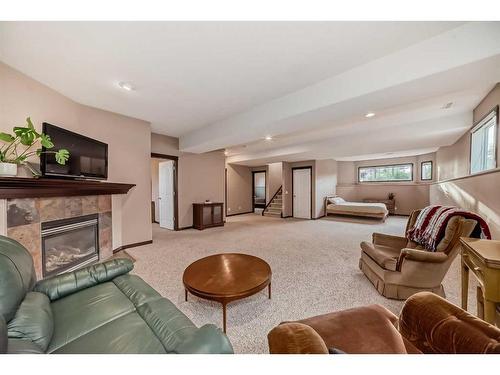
<point x="207" y="215"/>
<point x="482" y="257"/>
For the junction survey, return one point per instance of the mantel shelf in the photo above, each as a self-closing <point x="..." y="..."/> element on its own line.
<point x="18" y="187"/>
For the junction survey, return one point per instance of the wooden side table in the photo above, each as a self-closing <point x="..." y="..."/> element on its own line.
<point x="482" y="257"/>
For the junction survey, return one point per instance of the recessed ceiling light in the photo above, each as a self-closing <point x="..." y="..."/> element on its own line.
<point x="268" y="138"/>
<point x="370" y="114"/>
<point x="126" y="86"/>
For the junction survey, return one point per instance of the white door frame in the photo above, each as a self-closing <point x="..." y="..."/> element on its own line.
<point x="166" y="170"/>
<point x="310" y="190"/>
<point x="175" y="159"/>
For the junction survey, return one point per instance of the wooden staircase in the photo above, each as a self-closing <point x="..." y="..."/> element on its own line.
<point x="275" y="206"/>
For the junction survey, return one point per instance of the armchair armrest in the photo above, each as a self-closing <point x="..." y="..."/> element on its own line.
<point x="208" y="339"/>
<point x="396" y="242"/>
<point x="423" y="255"/>
<point x="434" y="325"/>
<point x="420" y="256"/>
<point x="71" y="282"/>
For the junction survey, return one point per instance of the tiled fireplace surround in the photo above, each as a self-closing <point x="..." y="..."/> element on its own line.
<point x="24" y="217"/>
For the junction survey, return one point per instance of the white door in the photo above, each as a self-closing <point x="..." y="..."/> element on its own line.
<point x="166" y="194"/>
<point x="302" y="193"/>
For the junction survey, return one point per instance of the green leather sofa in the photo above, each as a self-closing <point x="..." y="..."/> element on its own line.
<point x="97" y="309"/>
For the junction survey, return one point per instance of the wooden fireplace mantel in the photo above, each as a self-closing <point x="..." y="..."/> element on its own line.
<point x="18" y="187"/>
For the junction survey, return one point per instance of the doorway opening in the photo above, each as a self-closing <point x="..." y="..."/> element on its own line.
<point x="164" y="205"/>
<point x="259" y="197"/>
<point x="302" y="192"/>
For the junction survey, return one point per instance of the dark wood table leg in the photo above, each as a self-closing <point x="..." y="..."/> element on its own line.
<point x="269" y="290"/>
<point x="185" y="295"/>
<point x="224" y="316"/>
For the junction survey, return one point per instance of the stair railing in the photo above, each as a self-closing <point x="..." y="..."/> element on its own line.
<point x="271" y="201"/>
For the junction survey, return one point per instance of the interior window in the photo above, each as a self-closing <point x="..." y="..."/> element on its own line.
<point x="426" y="170"/>
<point x="386" y="173"/>
<point x="484" y="143"/>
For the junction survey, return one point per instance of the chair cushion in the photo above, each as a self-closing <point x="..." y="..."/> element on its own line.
<point x="385" y="256"/>
<point x="33" y="320"/>
<point x="361" y="330"/>
<point x="17" y="276"/>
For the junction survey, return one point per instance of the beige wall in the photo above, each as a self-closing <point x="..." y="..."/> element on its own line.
<point x="456" y="187"/>
<point x="129" y="143"/>
<point x="273" y="179"/>
<point x="239" y="189"/>
<point x="200" y="176"/>
<point x="409" y="195"/>
<point x="326" y="181"/>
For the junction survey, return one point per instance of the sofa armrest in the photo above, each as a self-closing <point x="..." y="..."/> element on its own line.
<point x="434" y="325"/>
<point x="208" y="339"/>
<point x="71" y="282"/>
<point x="396" y="242"/>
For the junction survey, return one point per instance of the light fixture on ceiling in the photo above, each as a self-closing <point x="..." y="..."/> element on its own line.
<point x="447" y="105"/>
<point x="369" y="114"/>
<point x="226" y="152"/>
<point x="268" y="138"/>
<point x="126" y="86"/>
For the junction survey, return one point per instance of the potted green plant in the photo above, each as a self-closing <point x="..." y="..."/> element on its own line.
<point x="20" y="145"/>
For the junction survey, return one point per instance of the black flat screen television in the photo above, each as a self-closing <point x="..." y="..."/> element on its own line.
<point x="88" y="158"/>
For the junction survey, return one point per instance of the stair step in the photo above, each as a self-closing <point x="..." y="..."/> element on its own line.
<point x="274" y="214"/>
<point x="272" y="209"/>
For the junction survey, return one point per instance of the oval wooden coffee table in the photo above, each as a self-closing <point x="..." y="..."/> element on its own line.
<point x="227" y="277"/>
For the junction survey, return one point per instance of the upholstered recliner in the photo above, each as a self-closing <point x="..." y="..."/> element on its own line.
<point x="97" y="309"/>
<point x="398" y="267"/>
<point x="427" y="324"/>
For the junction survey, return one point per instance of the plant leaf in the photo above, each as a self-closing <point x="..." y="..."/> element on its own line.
<point x="6" y="137"/>
<point x="62" y="156"/>
<point x="27" y="138"/>
<point x="46" y="141"/>
<point x="30" y="124"/>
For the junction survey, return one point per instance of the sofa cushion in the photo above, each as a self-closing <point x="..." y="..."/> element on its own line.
<point x="128" y="334"/>
<point x="385" y="256"/>
<point x="361" y="330"/>
<point x="17" y="276"/>
<point x="3" y="335"/>
<point x="85" y="311"/>
<point x="33" y="320"/>
<point x="71" y="282"/>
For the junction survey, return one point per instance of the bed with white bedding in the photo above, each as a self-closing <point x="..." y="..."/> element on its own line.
<point x="335" y="205"/>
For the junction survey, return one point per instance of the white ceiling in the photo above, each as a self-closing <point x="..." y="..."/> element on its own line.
<point x="228" y="84"/>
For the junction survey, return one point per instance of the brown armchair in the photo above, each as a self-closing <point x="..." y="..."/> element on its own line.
<point x="427" y="324"/>
<point x="398" y="267"/>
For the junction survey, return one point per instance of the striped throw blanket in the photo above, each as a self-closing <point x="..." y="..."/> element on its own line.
<point x="431" y="223"/>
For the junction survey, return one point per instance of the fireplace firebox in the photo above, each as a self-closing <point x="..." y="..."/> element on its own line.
<point x="68" y="244"/>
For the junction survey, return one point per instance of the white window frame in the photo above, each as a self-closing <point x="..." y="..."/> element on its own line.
<point x="491" y="119"/>
<point x="385" y="166"/>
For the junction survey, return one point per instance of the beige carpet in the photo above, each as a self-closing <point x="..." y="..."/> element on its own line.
<point x="314" y="264"/>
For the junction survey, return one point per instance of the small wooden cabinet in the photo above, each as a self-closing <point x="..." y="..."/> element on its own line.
<point x="389" y="203"/>
<point x="207" y="215"/>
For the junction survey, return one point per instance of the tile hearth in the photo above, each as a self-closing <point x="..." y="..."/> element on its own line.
<point x="25" y="216"/>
